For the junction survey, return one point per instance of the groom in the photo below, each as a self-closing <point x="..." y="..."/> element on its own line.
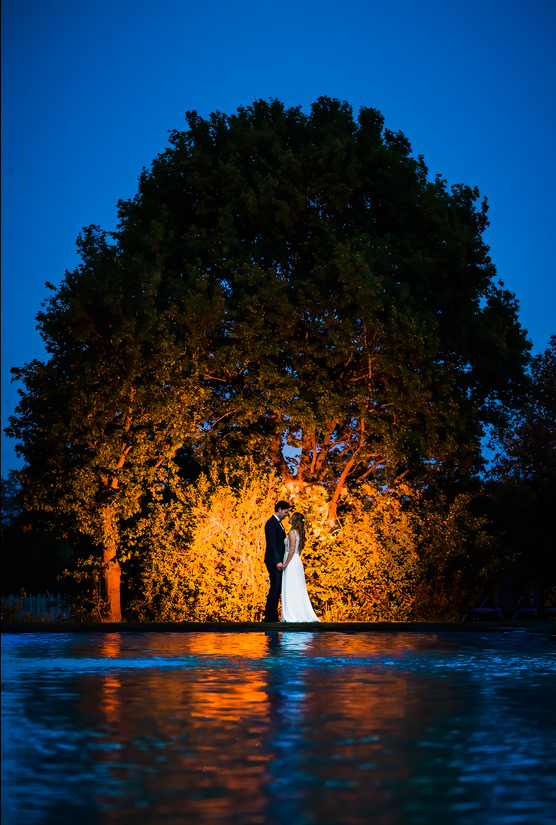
<point x="273" y="558"/>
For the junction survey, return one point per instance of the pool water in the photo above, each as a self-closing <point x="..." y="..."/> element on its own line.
<point x="279" y="728"/>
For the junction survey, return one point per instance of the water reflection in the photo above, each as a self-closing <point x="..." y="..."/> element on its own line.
<point x="278" y="727"/>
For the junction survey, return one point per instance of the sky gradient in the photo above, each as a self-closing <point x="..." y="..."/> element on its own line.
<point x="90" y="91"/>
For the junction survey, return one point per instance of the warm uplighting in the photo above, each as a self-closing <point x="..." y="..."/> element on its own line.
<point x="111" y="645"/>
<point x="248" y="645"/>
<point x="111" y="701"/>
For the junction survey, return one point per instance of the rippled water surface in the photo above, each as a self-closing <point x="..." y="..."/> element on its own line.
<point x="280" y="728"/>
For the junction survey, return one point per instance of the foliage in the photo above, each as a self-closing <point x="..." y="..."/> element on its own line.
<point x="98" y="422"/>
<point x="397" y="555"/>
<point x="459" y="558"/>
<point x="10" y="501"/>
<point x="201" y="548"/>
<point x="392" y="555"/>
<point x="367" y="566"/>
<point x="522" y="485"/>
<point x="32" y="557"/>
<point x="287" y="287"/>
<point x="529" y="442"/>
<point x="358" y="322"/>
<point x="83" y="582"/>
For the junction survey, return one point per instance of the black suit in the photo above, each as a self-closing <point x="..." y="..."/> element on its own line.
<point x="274" y="554"/>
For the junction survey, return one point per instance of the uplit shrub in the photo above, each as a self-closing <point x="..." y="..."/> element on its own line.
<point x="392" y="555"/>
<point x="202" y="550"/>
<point x="366" y="567"/>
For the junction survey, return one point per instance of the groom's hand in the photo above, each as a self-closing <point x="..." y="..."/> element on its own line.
<point x="280" y="566"/>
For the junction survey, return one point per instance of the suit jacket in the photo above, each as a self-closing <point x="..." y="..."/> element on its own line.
<point x="275" y="536"/>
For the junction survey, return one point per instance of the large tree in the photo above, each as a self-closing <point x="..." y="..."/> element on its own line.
<point x="362" y="331"/>
<point x="285" y="285"/>
<point x="100" y="420"/>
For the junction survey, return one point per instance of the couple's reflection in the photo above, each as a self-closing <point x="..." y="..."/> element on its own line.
<point x="288" y="723"/>
<point x="289" y="641"/>
<point x="285" y="673"/>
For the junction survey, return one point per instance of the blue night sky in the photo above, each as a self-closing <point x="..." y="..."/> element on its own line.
<point x="90" y="91"/>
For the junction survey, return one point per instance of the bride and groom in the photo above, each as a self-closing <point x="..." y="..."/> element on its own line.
<point x="285" y="568"/>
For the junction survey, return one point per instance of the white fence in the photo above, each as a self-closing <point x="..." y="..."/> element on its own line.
<point x="42" y="606"/>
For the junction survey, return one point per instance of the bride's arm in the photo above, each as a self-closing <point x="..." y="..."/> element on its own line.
<point x="291" y="547"/>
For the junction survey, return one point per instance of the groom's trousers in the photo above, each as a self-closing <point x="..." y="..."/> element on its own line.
<point x="271" y="608"/>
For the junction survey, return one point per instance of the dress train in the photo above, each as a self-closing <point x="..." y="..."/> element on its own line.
<point x="296" y="605"/>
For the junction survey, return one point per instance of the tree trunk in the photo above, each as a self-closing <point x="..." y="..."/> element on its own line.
<point x="277" y="457"/>
<point x="110" y="565"/>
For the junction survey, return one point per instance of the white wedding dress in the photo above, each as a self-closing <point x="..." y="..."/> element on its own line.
<point x="296" y="605"/>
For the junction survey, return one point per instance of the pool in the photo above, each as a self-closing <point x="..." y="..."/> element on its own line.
<point x="279" y="728"/>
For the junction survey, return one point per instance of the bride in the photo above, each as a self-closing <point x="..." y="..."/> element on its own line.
<point x="296" y="605"/>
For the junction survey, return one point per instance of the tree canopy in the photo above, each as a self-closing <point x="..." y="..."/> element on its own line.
<point x="356" y="326"/>
<point x="286" y="286"/>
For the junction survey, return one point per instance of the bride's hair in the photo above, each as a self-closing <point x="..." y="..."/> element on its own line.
<point x="297" y="522"/>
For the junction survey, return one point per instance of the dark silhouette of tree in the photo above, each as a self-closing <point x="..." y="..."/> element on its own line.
<point x="32" y="557"/>
<point x="529" y="443"/>
<point x="523" y="480"/>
